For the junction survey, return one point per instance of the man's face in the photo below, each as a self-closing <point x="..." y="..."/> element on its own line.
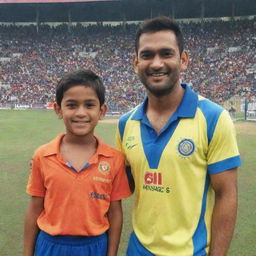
<point x="158" y="62"/>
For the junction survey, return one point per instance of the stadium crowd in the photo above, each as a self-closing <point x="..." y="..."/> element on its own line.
<point x="223" y="57"/>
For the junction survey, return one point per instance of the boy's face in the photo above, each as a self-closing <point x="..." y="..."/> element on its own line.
<point x="80" y="110"/>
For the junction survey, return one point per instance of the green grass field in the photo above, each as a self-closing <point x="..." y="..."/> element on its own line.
<point x="23" y="131"/>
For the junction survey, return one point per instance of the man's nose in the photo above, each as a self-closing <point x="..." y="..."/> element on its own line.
<point x="157" y="62"/>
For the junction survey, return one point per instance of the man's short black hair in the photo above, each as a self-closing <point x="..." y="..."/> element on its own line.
<point x="158" y="24"/>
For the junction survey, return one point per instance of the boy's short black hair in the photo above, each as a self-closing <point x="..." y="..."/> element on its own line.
<point x="80" y="77"/>
<point x="158" y="24"/>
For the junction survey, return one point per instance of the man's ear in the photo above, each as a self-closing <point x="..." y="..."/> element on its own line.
<point x="135" y="62"/>
<point x="57" y="110"/>
<point x="103" y="110"/>
<point x="184" y="60"/>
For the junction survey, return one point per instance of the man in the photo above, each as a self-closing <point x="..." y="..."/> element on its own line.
<point x="182" y="153"/>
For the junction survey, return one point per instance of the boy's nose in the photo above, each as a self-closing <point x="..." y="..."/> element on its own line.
<point x="81" y="111"/>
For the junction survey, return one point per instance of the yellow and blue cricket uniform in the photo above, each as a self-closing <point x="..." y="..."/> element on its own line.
<point x="173" y="195"/>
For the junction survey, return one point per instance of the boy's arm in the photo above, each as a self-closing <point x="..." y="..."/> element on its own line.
<point x="35" y="207"/>
<point x="224" y="212"/>
<point x="115" y="216"/>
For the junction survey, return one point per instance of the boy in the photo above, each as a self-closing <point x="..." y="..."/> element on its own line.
<point x="76" y="181"/>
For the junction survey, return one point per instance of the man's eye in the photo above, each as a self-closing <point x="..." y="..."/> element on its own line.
<point x="146" y="56"/>
<point x="167" y="54"/>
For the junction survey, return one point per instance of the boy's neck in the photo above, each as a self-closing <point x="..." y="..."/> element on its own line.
<point x="78" y="150"/>
<point x="79" y="140"/>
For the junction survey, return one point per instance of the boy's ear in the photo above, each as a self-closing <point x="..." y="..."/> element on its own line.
<point x="57" y="110"/>
<point x="135" y="62"/>
<point x="103" y="110"/>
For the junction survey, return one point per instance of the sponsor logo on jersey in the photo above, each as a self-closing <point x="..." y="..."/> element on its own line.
<point x="186" y="147"/>
<point x="153" y="178"/>
<point x="130" y="146"/>
<point x="101" y="179"/>
<point x="104" y="167"/>
<point x="153" y="182"/>
<point x="130" y="138"/>
<point x="95" y="195"/>
<point x="130" y="142"/>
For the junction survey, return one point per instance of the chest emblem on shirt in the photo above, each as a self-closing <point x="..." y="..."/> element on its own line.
<point x="186" y="147"/>
<point x="104" y="167"/>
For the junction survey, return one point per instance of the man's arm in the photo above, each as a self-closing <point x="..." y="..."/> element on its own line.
<point x="130" y="178"/>
<point x="35" y="207"/>
<point x="115" y="216"/>
<point x="224" y="212"/>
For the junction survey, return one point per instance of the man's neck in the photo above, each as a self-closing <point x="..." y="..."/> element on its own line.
<point x="160" y="109"/>
<point x="166" y="103"/>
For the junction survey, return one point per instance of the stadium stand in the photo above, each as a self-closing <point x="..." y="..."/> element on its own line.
<point x="222" y="61"/>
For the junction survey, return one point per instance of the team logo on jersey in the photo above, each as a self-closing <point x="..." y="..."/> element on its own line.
<point x="104" y="167"/>
<point x="186" y="147"/>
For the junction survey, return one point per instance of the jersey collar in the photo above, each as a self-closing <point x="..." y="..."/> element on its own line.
<point x="186" y="109"/>
<point x="54" y="147"/>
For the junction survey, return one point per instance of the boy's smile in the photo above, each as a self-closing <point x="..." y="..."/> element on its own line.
<point x="80" y="110"/>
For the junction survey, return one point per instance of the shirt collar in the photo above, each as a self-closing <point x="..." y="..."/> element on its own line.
<point x="187" y="107"/>
<point x="54" y="147"/>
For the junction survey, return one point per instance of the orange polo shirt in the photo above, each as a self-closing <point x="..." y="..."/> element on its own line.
<point x="76" y="203"/>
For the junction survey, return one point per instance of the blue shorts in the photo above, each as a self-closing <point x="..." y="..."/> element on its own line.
<point x="47" y="245"/>
<point x="136" y="248"/>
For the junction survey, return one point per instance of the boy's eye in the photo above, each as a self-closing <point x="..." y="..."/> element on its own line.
<point x="71" y="105"/>
<point x="90" y="105"/>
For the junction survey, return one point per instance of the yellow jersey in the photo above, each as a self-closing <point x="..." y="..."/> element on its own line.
<point x="173" y="195"/>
